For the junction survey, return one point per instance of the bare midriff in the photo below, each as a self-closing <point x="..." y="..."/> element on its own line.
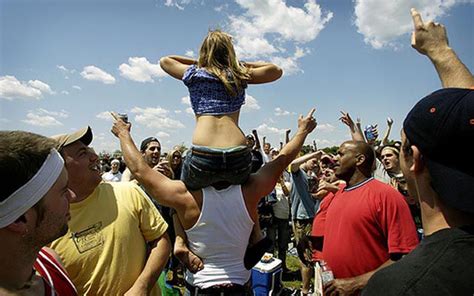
<point x="218" y="131"/>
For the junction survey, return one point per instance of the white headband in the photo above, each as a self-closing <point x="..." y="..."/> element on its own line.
<point x="32" y="191"/>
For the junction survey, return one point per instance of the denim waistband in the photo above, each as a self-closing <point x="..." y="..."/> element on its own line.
<point x="218" y="150"/>
<point x="222" y="289"/>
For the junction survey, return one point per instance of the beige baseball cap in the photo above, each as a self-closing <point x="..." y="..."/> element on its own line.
<point x="84" y="135"/>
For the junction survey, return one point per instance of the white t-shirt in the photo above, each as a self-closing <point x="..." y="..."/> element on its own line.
<point x="111" y="177"/>
<point x="281" y="209"/>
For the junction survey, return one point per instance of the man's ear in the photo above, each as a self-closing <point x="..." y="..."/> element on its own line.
<point x="418" y="163"/>
<point x="20" y="225"/>
<point x="360" y="159"/>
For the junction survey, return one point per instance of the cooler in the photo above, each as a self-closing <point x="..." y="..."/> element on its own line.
<point x="266" y="278"/>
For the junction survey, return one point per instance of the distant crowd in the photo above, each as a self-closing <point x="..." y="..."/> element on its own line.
<point x="389" y="216"/>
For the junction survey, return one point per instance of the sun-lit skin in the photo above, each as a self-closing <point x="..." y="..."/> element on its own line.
<point x="390" y="161"/>
<point x="266" y="148"/>
<point x="55" y="205"/>
<point x="83" y="168"/>
<point x="345" y="161"/>
<point x="152" y="153"/>
<point x="115" y="167"/>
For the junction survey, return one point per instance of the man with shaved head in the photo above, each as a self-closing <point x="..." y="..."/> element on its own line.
<point x="368" y="224"/>
<point x="437" y="161"/>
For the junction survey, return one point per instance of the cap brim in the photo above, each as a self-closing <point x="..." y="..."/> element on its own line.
<point x="453" y="186"/>
<point x="84" y="135"/>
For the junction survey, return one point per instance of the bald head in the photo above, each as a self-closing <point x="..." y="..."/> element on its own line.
<point x="354" y="156"/>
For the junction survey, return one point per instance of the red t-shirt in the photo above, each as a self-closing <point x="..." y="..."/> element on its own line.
<point x="364" y="224"/>
<point x="319" y="221"/>
<point x="56" y="281"/>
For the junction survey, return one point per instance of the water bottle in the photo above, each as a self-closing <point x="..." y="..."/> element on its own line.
<point x="326" y="273"/>
<point x="369" y="133"/>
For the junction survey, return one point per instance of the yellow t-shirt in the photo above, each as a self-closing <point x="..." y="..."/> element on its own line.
<point x="104" y="250"/>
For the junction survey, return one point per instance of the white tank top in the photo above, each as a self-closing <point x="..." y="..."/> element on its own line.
<point x="220" y="237"/>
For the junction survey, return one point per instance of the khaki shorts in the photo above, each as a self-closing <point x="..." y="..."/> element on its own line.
<point x="302" y="229"/>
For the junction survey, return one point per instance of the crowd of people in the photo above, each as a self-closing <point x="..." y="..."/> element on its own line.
<point x="389" y="217"/>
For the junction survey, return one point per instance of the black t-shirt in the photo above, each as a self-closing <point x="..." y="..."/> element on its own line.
<point x="442" y="264"/>
<point x="257" y="160"/>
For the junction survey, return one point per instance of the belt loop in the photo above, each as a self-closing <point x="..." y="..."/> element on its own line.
<point x="224" y="155"/>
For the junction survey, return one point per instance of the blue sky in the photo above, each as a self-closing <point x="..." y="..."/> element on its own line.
<point x="64" y="64"/>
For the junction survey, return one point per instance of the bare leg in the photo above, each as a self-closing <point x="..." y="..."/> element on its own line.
<point x="306" y="274"/>
<point x="192" y="262"/>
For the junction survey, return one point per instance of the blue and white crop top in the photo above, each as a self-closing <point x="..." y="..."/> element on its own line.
<point x="208" y="94"/>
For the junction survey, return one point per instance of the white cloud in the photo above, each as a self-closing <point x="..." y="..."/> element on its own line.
<point x="281" y="112"/>
<point x="97" y="74"/>
<point x="11" y="88"/>
<point x="44" y="118"/>
<point x="265" y="129"/>
<point x="186" y="101"/>
<point x="322" y="143"/>
<point x="221" y="7"/>
<point x="178" y="111"/>
<point x="325" y="127"/>
<point x="43" y="87"/>
<point x="141" y="70"/>
<point x="382" y="22"/>
<point x="105" y="116"/>
<point x="251" y="104"/>
<point x="162" y="135"/>
<point x="77" y="87"/>
<point x="157" y="118"/>
<point x="269" y="27"/>
<point x="63" y="113"/>
<point x="65" y="92"/>
<point x="177" y="3"/>
<point x="65" y="70"/>
<point x="289" y="64"/>
<point x="62" y="68"/>
<point x="189" y="53"/>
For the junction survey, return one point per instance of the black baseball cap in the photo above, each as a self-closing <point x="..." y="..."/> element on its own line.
<point x="147" y="141"/>
<point x="441" y="125"/>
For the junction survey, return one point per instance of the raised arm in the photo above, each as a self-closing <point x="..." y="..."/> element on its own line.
<point x="176" y="65"/>
<point x="264" y="180"/>
<point x="262" y="72"/>
<point x="295" y="164"/>
<point x="430" y="39"/>
<point x="257" y="141"/>
<point x="287" y="136"/>
<point x="387" y="132"/>
<point x="167" y="192"/>
<point x="355" y="130"/>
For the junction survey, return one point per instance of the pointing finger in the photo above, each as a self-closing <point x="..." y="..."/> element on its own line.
<point x="417" y="21"/>
<point x="114" y="115"/>
<point x="311" y="112"/>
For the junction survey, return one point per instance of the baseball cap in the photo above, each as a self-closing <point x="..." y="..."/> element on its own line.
<point x="147" y="141"/>
<point x="441" y="125"/>
<point x="84" y="135"/>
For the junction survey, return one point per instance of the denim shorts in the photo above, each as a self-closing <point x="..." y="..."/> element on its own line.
<point x="204" y="166"/>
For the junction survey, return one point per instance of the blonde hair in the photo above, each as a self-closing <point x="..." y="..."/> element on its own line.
<point x="217" y="55"/>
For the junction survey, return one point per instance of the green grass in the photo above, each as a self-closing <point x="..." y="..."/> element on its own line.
<point x="293" y="264"/>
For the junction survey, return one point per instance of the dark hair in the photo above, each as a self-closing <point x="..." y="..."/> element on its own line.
<point x="21" y="156"/>
<point x="407" y="147"/>
<point x="146" y="142"/>
<point x="369" y="154"/>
